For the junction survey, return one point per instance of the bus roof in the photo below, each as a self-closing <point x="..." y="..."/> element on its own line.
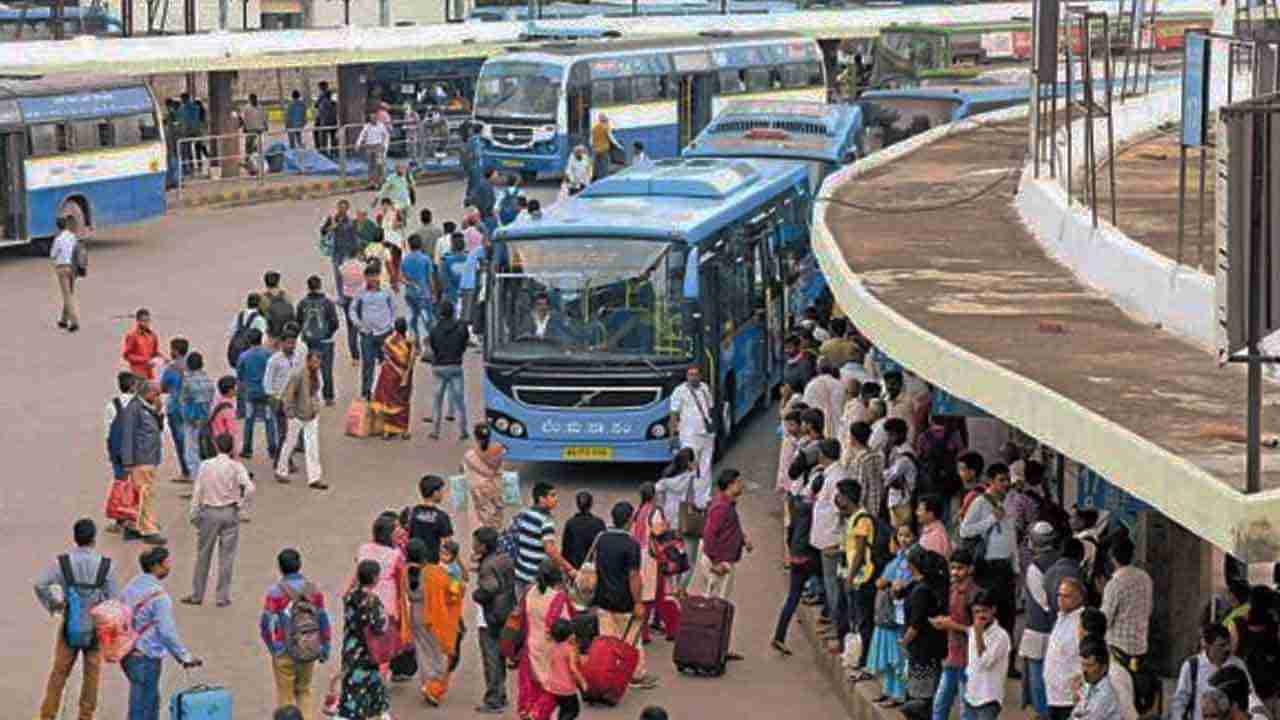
<point x="784" y="129"/>
<point x="688" y="199"/>
<point x="575" y="49"/>
<point x="12" y="86"/>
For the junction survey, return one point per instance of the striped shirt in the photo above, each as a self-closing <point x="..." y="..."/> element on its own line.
<point x="533" y="527"/>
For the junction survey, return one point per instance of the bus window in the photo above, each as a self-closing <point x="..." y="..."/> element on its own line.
<point x="794" y="76"/>
<point x="128" y="131"/>
<point x="758" y="80"/>
<point x="731" y="83"/>
<point x="48" y="139"/>
<point x="602" y="93"/>
<point x="647" y="88"/>
<point x="815" y="74"/>
<point x="90" y="134"/>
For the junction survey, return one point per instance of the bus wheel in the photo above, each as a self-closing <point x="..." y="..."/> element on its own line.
<point x="40" y="247"/>
<point x="528" y="177"/>
<point x="74" y="210"/>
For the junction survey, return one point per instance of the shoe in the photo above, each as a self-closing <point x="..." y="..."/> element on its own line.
<point x="223" y="603"/>
<point x="490" y="710"/>
<point x="434" y="436"/>
<point x="330" y="402"/>
<point x="130" y="535"/>
<point x="282" y="479"/>
<point x="246" y="456"/>
<point x="114" y="528"/>
<point x="645" y="682"/>
<point x="734" y="657"/>
<point x="185" y="496"/>
<point x="180" y="479"/>
<point x="464" y="437"/>
<point x="155" y="539"/>
<point x="448" y="418"/>
<point x="191" y="600"/>
<point x="73" y="328"/>
<point x="62" y="324"/>
<point x="318" y="486"/>
<point x="1014" y="674"/>
<point x="782" y="649"/>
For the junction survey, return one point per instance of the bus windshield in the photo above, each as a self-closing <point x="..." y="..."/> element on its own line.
<point x="518" y="90"/>
<point x="618" y="300"/>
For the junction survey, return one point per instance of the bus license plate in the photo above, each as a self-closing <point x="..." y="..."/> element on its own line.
<point x="512" y="163"/>
<point x="587" y="453"/>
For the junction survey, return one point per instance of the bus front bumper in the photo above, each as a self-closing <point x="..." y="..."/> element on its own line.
<point x="521" y="162"/>
<point x="635" y="451"/>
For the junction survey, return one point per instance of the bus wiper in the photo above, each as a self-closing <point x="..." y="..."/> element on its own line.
<point x="519" y="368"/>
<point x="652" y="367"/>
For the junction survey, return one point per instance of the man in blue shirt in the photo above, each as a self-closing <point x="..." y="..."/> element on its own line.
<point x="417" y="271"/>
<point x="374" y="315"/>
<point x="157" y="635"/>
<point x="471" y="282"/>
<point x="251" y="371"/>
<point x="451" y="266"/>
<point x="295" y="118"/>
<point x="171" y="386"/>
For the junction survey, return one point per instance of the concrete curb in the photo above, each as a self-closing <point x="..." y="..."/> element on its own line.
<point x="276" y="191"/>
<point x="857" y="705"/>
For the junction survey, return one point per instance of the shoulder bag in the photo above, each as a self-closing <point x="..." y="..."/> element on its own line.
<point x="692" y="518"/>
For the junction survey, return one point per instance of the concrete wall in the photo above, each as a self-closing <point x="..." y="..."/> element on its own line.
<point x="319" y="13"/>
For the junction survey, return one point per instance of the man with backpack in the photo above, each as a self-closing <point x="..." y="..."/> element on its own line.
<point x="495" y="594"/>
<point x="248" y="318"/>
<point x="171" y="385"/>
<point x="195" y="403"/>
<point x="990" y="534"/>
<point x="250" y="372"/>
<point x="374" y="315"/>
<point x="318" y="318"/>
<point x="296" y="631"/>
<point x="901" y="472"/>
<point x="867" y="552"/>
<point x="72" y="585"/>
<point x="276" y="305"/>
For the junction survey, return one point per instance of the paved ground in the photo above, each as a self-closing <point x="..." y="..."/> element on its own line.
<point x="192" y="270"/>
<point x="965" y="269"/>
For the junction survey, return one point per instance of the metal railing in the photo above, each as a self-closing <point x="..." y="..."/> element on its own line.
<point x="260" y="156"/>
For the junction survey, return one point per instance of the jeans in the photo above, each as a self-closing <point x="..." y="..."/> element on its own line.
<point x="325" y="348"/>
<point x="260" y="409"/>
<point x="178" y="432"/>
<point x="950" y="687"/>
<point x="1034" y="680"/>
<point x="862" y="600"/>
<point x="799" y="576"/>
<point x="144" y="686"/>
<point x="830" y="586"/>
<point x="449" y="379"/>
<point x="468" y="305"/>
<point x="191" y="451"/>
<point x="495" y="670"/>
<point x="295" y="139"/>
<point x="421" y="316"/>
<point x="989" y="711"/>
<point x="370" y="356"/>
<point x="353" y="335"/>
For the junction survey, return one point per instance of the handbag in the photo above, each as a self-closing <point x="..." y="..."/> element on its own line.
<point x="123" y="500"/>
<point x="692" y="518"/>
<point x="512" y="636"/>
<point x="511" y="488"/>
<point x="385" y="645"/>
<point x="668" y="549"/>
<point x="710" y="422"/>
<point x="80" y="258"/>
<point x="582" y="589"/>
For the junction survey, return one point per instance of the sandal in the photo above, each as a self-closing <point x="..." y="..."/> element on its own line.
<point x="891" y="704"/>
<point x="858" y="676"/>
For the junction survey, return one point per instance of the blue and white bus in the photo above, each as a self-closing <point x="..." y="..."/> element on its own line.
<point x="641" y="275"/>
<point x="533" y="107"/>
<point x="823" y="136"/>
<point x="90" y="148"/>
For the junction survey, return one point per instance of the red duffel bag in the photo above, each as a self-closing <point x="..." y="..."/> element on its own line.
<point x="608" y="668"/>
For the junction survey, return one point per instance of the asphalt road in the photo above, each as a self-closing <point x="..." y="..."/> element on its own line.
<point x="193" y="270"/>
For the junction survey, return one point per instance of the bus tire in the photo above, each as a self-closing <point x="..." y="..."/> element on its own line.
<point x="528" y="177"/>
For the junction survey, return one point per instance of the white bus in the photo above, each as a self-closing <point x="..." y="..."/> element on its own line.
<point x="533" y="107"/>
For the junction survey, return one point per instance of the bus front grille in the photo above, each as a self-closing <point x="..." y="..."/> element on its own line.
<point x="587" y="398"/>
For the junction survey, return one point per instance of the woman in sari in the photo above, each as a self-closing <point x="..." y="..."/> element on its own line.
<point x="544" y="603"/>
<point x="394" y="391"/>
<point x="648" y="524"/>
<point x="390" y="586"/>
<point x="364" y="696"/>
<point x="482" y="465"/>
<point x="436" y="607"/>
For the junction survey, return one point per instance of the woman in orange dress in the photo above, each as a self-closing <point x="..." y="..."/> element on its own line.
<point x="394" y="391"/>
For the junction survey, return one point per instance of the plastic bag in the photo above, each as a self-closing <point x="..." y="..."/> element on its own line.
<point x="511" y="488"/>
<point x="458" y="493"/>
<point x="852" y="652"/>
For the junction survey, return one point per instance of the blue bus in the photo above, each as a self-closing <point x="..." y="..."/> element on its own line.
<point x="599" y="307"/>
<point x="36" y="23"/>
<point x="823" y="136"/>
<point x="91" y="148"/>
<point x="895" y="115"/>
<point x="533" y="107"/>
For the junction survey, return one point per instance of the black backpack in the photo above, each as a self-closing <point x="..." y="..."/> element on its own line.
<point x="240" y="338"/>
<point x="315" y="326"/>
<point x="279" y="314"/>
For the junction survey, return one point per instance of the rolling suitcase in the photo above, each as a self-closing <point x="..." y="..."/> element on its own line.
<point x="608" y="668"/>
<point x="201" y="702"/>
<point x="702" y="642"/>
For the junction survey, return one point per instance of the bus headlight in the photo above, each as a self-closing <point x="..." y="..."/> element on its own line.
<point x="657" y="431"/>
<point x="517" y="430"/>
<point x="502" y="424"/>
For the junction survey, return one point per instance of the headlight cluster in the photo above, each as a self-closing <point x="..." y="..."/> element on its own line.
<point x="658" y="430"/>
<point x="505" y="425"/>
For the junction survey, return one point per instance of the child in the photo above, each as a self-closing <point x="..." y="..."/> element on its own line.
<point x="885" y="657"/>
<point x="566" y="674"/>
<point x="449" y="559"/>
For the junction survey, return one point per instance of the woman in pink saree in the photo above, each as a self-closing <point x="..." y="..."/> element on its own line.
<point x="648" y="524"/>
<point x="482" y="465"/>
<point x="545" y="602"/>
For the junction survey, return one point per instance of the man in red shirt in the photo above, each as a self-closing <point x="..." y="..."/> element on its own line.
<point x="723" y="541"/>
<point x="956" y="623"/>
<point x="141" y="346"/>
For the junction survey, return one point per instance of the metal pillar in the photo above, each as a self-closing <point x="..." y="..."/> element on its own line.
<point x="221" y="86"/>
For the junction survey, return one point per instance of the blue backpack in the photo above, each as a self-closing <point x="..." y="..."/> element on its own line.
<point x="78" y="626"/>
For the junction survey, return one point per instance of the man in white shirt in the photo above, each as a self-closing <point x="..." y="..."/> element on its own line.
<point x="826" y="393"/>
<point x="1193" y="678"/>
<point x="1062" y="654"/>
<point x="578" y="172"/>
<point x="826" y="532"/>
<point x="63" y="256"/>
<point x="279" y="368"/>
<point x="373" y="141"/>
<point x="988" y="662"/>
<point x="691" y="409"/>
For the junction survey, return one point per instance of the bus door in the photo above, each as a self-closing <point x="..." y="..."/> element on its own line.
<point x="711" y="329"/>
<point x="579" y="105"/>
<point x="695" y="94"/>
<point x="765" y="304"/>
<point x="12" y="205"/>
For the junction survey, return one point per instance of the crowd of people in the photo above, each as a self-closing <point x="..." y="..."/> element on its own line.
<point x="920" y="555"/>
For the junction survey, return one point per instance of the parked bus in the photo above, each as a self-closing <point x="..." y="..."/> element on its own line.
<point x="92" y="148"/>
<point x="643" y="274"/>
<point x="533" y="107"/>
<point x="36" y="23"/>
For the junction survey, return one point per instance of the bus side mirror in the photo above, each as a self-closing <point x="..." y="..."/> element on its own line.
<point x="850" y="156"/>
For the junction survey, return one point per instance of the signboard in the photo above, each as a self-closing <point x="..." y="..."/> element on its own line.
<point x="1093" y="491"/>
<point x="1195" y="90"/>
<point x="692" y="62"/>
<point x="1229" y="338"/>
<point x="998" y="44"/>
<point x="99" y="103"/>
